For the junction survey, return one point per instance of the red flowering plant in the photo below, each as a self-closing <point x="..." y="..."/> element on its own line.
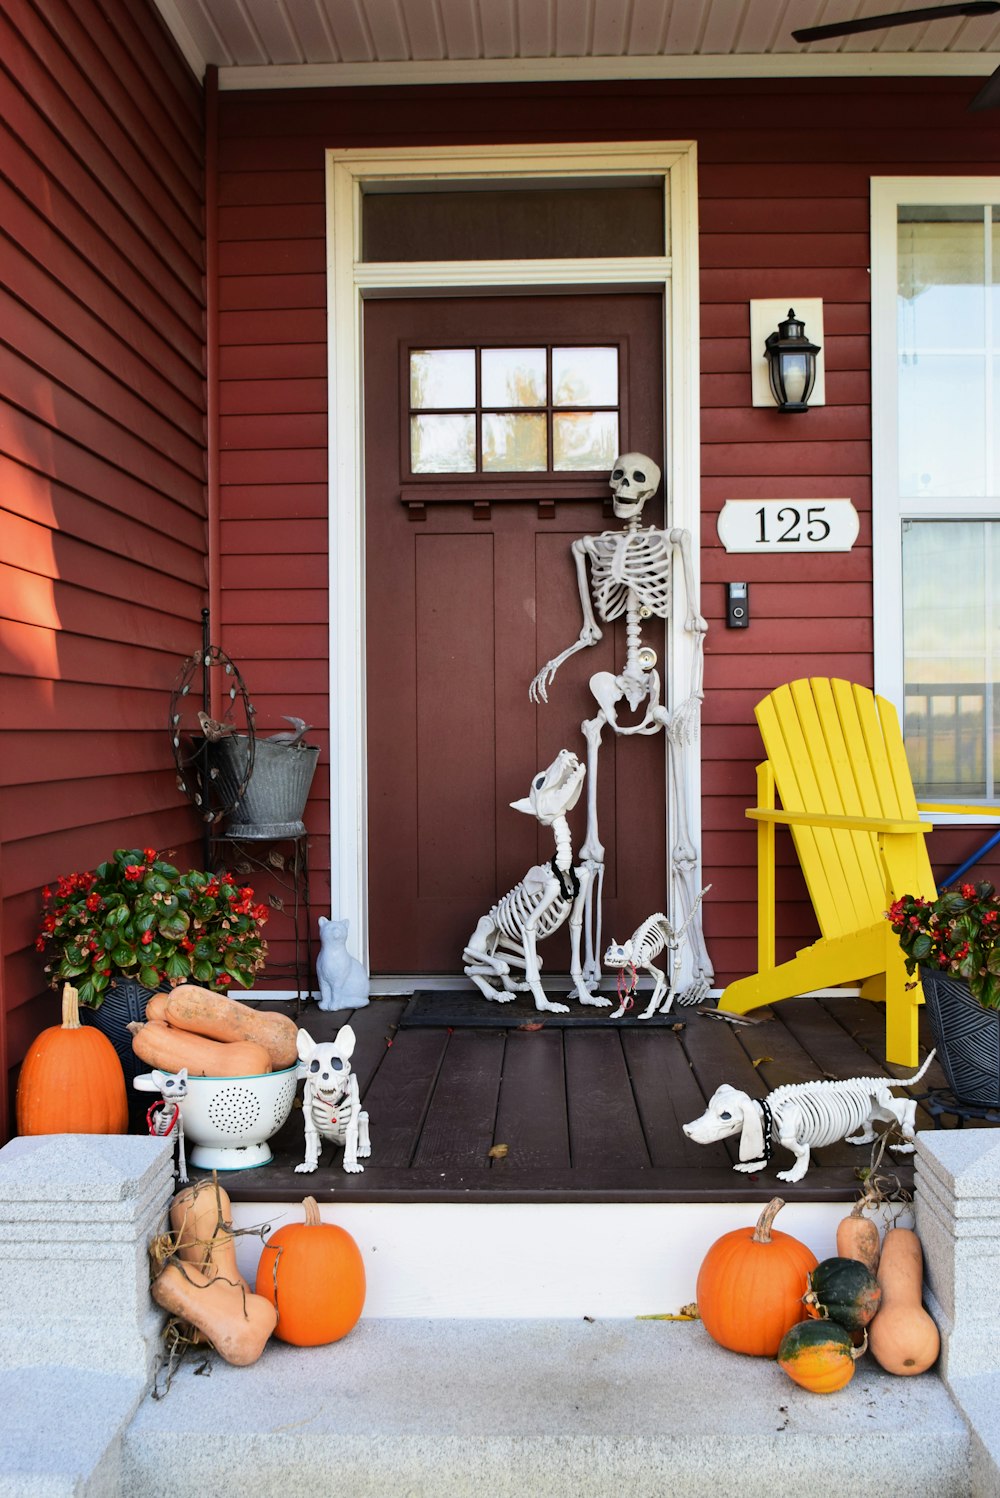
<point x="958" y="933"/>
<point x="138" y="917"/>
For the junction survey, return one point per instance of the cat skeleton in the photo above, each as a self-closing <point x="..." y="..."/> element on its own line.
<point x="631" y="576"/>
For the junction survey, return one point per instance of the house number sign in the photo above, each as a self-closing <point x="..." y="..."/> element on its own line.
<point x="765" y="525"/>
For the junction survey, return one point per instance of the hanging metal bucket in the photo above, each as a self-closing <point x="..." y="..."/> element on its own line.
<point x="276" y="793"/>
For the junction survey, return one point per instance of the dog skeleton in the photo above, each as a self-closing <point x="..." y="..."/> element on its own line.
<point x="645" y="943"/>
<point x="549" y="893"/>
<point x="165" y="1116"/>
<point x="805" y="1115"/>
<point x="331" y="1105"/>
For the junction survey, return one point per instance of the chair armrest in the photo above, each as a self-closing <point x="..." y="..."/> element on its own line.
<point x="828" y="819"/>
<point x="945" y="806"/>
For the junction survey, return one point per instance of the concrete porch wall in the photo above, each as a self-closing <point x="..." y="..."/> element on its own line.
<point x="419" y="1397"/>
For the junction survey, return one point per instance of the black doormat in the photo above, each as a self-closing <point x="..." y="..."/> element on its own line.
<point x="461" y="1009"/>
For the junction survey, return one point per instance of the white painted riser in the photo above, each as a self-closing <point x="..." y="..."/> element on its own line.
<point x="453" y="1261"/>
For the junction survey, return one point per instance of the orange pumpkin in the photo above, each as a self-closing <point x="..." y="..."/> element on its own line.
<point x="751" y="1284"/>
<point x="314" y="1275"/>
<point x="71" y="1080"/>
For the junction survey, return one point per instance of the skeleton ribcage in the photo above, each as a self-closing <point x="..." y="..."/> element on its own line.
<point x="650" y="939"/>
<point x="515" y="910"/>
<point x="831" y="1112"/>
<point x="621" y="564"/>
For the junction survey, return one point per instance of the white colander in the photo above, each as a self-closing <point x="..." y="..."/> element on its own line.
<point x="228" y="1120"/>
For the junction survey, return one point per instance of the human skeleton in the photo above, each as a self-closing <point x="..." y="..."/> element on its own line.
<point x="508" y="935"/>
<point x="630" y="576"/>
<point x="331" y="1103"/>
<point x="805" y="1116"/>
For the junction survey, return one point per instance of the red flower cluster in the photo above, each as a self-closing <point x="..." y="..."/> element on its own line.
<point x="959" y="932"/>
<point x="138" y="917"/>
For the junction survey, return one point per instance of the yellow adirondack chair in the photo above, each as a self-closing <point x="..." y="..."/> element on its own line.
<point x="835" y="756"/>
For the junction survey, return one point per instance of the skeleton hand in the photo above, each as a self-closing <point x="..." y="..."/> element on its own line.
<point x="539" y="689"/>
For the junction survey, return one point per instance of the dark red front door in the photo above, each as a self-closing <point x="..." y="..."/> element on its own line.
<point x="481" y="418"/>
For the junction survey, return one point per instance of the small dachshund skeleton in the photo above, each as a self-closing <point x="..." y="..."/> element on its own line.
<point x="805" y="1115"/>
<point x="646" y="942"/>
<point x="332" y="1104"/>
<point x="165" y="1116"/>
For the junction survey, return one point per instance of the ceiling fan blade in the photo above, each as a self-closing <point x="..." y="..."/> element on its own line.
<point x="988" y="96"/>
<point x="896" y="18"/>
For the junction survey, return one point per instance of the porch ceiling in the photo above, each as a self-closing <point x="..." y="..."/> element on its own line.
<point x="287" y="43"/>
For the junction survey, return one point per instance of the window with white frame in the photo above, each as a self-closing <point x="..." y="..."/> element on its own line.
<point x="936" y="502"/>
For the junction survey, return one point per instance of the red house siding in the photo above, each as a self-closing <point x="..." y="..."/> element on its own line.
<point x="781" y="213"/>
<point x="102" y="508"/>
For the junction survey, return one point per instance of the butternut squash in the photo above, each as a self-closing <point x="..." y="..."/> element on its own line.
<point x="161" y="1045"/>
<point x="903" y="1337"/>
<point x="156" y="1007"/>
<point x="236" y="1322"/>
<point x="857" y="1238"/>
<point x="217" y="1017"/>
<point x="200" y="1219"/>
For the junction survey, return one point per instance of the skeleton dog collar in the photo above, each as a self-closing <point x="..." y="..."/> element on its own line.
<point x="767" y="1123"/>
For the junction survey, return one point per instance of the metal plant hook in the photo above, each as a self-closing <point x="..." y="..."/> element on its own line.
<point x="193" y="732"/>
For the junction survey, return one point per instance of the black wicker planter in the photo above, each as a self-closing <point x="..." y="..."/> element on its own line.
<point x="967" y="1037"/>
<point x="124" y="1000"/>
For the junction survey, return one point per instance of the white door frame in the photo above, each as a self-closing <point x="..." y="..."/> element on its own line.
<point x="350" y="281"/>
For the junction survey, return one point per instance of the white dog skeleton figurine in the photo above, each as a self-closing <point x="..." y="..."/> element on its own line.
<point x="509" y="933"/>
<point x="164" y="1118"/>
<point x="631" y="575"/>
<point x="646" y="942"/>
<point x="331" y="1104"/>
<point x="805" y="1115"/>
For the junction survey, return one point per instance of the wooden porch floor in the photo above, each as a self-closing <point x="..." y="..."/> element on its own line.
<point x="587" y="1114"/>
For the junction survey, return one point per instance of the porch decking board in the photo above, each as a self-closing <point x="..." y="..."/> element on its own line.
<point x="588" y="1115"/>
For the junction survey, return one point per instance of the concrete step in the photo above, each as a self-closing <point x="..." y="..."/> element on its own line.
<point x="434" y="1408"/>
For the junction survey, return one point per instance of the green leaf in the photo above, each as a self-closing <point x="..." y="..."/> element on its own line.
<point x="87" y="994"/>
<point x="166" y="870"/>
<point x="154" y="884"/>
<point x="117" y="915"/>
<point x="99" y="982"/>
<point x="124" y="956"/>
<point x="71" y="967"/>
<point x="204" y="972"/>
<point x="242" y="979"/>
<point x="149" y="977"/>
<point x="146" y="921"/>
<point x="177" y="965"/>
<point x="173" y="927"/>
<point x="921" y="947"/>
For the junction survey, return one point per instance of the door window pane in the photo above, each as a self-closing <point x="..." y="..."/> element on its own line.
<point x="585" y="376"/>
<point x="443" y="444"/>
<point x="442" y="378"/>
<point x="584" y="439"/>
<point x="514" y="443"/>
<point x="514" y="377"/>
<point x="951" y="647"/>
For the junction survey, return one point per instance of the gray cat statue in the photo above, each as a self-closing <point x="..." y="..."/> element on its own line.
<point x="343" y="982"/>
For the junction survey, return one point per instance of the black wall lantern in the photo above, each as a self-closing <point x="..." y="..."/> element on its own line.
<point x="791" y="364"/>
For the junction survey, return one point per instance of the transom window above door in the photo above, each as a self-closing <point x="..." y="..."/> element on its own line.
<point x="537" y="409"/>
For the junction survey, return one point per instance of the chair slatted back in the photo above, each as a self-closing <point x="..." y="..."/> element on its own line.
<point x="835" y="747"/>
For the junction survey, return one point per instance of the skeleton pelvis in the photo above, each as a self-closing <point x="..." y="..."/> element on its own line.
<point x="610" y="690"/>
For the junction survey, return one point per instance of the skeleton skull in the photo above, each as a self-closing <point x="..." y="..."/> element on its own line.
<point x="554" y="791"/>
<point x="634" y="479"/>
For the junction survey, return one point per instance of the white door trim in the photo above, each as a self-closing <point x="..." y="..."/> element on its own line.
<point x="349" y="281"/>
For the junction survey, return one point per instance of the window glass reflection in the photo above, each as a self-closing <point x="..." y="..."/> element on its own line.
<point x="514" y="377"/>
